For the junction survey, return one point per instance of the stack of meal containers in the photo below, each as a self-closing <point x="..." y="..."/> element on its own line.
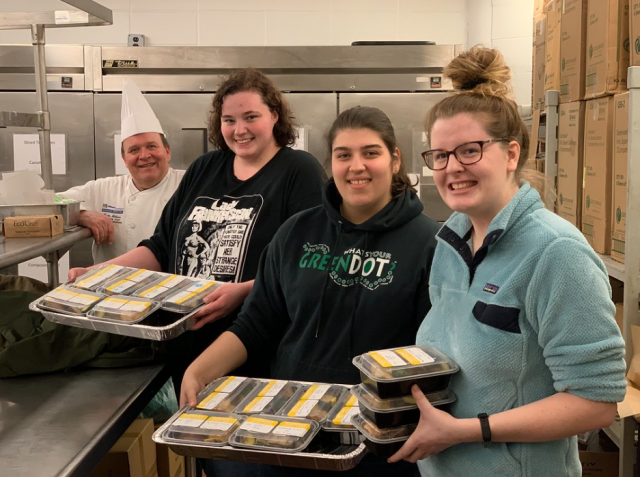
<point x="388" y="412"/>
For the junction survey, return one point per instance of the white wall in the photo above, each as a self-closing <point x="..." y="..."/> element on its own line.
<point x="503" y="24"/>
<point x="258" y="22"/>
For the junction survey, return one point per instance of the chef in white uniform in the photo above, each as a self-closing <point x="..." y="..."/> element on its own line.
<point x="121" y="211"/>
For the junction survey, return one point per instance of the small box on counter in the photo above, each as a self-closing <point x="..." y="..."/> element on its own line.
<point x="33" y="226"/>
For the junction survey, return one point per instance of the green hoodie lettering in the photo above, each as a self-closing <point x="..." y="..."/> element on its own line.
<point x="370" y="269"/>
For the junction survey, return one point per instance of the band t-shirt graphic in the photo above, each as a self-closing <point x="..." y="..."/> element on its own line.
<point x="213" y="237"/>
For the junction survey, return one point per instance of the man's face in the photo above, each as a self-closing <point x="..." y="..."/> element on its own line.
<point x="146" y="159"/>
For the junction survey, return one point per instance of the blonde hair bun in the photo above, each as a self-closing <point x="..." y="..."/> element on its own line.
<point x="480" y="70"/>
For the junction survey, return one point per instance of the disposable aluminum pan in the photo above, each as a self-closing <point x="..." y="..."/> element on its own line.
<point x="164" y="326"/>
<point x="333" y="457"/>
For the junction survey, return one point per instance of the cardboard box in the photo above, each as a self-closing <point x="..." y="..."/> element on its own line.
<point x="134" y="455"/>
<point x="619" y="315"/>
<point x="607" y="47"/>
<point x="552" y="45"/>
<point x="539" y="41"/>
<point x="572" y="50"/>
<point x="33" y="226"/>
<point x="598" y="166"/>
<point x="570" y="161"/>
<point x="619" y="185"/>
<point x="600" y="464"/>
<point x="634" y="31"/>
<point x="538" y="6"/>
<point x="170" y="464"/>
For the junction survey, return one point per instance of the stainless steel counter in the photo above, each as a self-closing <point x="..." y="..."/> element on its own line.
<point x="17" y="250"/>
<point x="62" y="424"/>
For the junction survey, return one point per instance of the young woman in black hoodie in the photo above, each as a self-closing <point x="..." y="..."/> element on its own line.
<point x="337" y="280"/>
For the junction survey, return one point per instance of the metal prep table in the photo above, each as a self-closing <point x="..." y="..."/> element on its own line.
<point x="62" y="424"/>
<point x="17" y="250"/>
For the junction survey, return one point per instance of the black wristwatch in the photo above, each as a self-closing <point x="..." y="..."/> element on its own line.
<point x="486" y="429"/>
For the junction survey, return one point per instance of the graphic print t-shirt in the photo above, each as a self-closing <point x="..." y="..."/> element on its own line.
<point x="216" y="226"/>
<point x="212" y="238"/>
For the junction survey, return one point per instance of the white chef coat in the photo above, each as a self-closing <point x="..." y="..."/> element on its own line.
<point x="134" y="212"/>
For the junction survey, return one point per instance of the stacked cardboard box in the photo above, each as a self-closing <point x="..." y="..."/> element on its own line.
<point x="552" y="45"/>
<point x="607" y="56"/>
<point x="570" y="154"/>
<point x="634" y="31"/>
<point x="598" y="165"/>
<point x="134" y="455"/>
<point x="572" y="50"/>
<point x="539" y="40"/>
<point x="619" y="186"/>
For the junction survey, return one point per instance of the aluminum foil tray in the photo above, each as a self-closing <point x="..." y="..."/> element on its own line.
<point x="162" y="327"/>
<point x="334" y="457"/>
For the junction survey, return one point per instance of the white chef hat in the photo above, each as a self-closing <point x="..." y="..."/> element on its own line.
<point x="136" y="116"/>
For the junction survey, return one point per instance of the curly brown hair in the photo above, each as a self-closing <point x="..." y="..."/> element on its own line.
<point x="249" y="79"/>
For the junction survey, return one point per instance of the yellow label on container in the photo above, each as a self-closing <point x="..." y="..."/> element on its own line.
<point x="183" y="298"/>
<point x="117" y="284"/>
<point x="115" y="300"/>
<point x="139" y="272"/>
<point x="352" y="401"/>
<point x="229" y="420"/>
<point x="260" y="420"/>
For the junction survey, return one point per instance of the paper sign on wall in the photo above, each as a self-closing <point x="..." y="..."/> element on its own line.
<point x="301" y="141"/>
<point x="26" y="153"/>
<point x="37" y="268"/>
<point x="121" y="169"/>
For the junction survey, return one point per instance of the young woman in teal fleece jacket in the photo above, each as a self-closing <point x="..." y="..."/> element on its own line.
<point x="336" y="281"/>
<point x="519" y="300"/>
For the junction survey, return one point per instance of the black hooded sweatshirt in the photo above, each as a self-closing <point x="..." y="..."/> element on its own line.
<point x="328" y="290"/>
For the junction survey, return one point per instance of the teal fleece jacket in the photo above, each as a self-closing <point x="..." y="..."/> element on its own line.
<point x="528" y="316"/>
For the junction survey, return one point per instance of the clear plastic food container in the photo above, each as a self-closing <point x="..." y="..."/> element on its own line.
<point x="129" y="282"/>
<point x="275" y="433"/>
<point x="392" y="372"/>
<point x="269" y="397"/>
<point x="69" y="300"/>
<point x="203" y="427"/>
<point x="163" y="287"/>
<point x="226" y="393"/>
<point x="339" y="418"/>
<point x="190" y="298"/>
<point x="382" y="442"/>
<point x="314" y="401"/>
<point x="125" y="309"/>
<point x="394" y="412"/>
<point x="94" y="279"/>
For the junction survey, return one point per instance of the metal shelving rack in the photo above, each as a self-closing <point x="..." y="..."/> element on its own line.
<point x="622" y="432"/>
<point x="89" y="14"/>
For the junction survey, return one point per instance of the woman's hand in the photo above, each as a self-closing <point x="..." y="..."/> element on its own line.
<point x="436" y="431"/>
<point x="75" y="273"/>
<point x="190" y="387"/>
<point x="222" y="301"/>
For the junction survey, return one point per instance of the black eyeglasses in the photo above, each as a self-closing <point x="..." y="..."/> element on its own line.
<point x="466" y="154"/>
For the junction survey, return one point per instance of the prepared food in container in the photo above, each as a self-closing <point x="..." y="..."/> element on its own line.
<point x="268" y="397"/>
<point x="226" y="393"/>
<point x="314" y="401"/>
<point x="203" y="427"/>
<point x="127" y="283"/>
<point x="394" y="412"/>
<point x="125" y="309"/>
<point x="275" y="433"/>
<point x="69" y="300"/>
<point x="94" y="279"/>
<point x="382" y="442"/>
<point x="163" y="287"/>
<point x="392" y="372"/>
<point x="339" y="419"/>
<point x="190" y="298"/>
